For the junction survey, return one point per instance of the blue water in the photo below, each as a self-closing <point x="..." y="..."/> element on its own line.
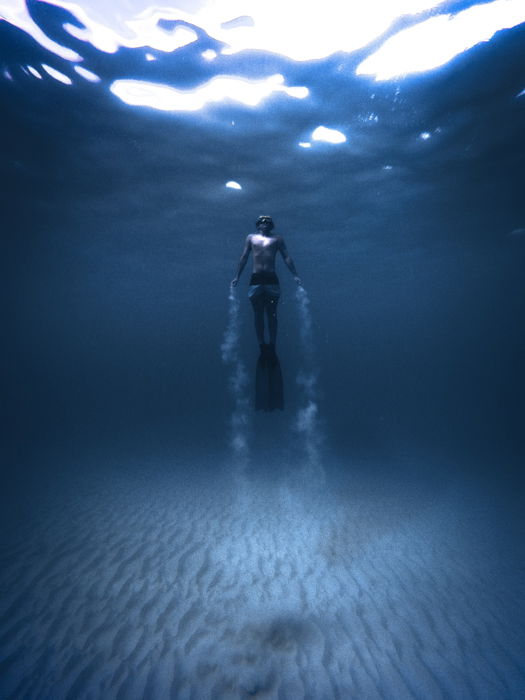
<point x="129" y="362"/>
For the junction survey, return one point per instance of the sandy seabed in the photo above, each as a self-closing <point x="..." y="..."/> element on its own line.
<point x="148" y="584"/>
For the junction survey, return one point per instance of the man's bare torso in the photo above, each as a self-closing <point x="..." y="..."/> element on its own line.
<point x="264" y="249"/>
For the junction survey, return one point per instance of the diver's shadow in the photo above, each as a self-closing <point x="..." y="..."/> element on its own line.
<point x="268" y="381"/>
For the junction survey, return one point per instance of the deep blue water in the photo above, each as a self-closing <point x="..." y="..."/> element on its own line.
<point x="120" y="240"/>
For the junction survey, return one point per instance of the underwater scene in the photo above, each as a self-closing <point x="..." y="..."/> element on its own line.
<point x="263" y="350"/>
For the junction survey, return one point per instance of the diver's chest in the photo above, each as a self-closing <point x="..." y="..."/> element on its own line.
<point x="266" y="244"/>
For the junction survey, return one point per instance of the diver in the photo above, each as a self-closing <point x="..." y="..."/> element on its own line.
<point x="264" y="290"/>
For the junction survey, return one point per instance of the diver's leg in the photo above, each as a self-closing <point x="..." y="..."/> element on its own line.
<point x="258" y="313"/>
<point x="271" y="314"/>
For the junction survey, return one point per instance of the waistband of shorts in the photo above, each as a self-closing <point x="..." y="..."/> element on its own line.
<point x="264" y="278"/>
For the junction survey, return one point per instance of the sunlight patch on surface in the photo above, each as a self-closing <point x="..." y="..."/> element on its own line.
<point x="139" y="31"/>
<point x="164" y="97"/>
<point x="294" y="29"/>
<point x="438" y="40"/>
<point x="16" y="13"/>
<point x="209" y="54"/>
<point x="301" y="31"/>
<point x="322" y="133"/>
<point x="87" y="74"/>
<point x="57" y="75"/>
<point x="298" y="30"/>
<point x="34" y="72"/>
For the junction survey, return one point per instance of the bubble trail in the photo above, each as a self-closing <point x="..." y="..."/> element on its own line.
<point x="238" y="383"/>
<point x="307" y="418"/>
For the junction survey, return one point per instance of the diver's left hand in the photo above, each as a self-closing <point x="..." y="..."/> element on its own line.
<point x="298" y="281"/>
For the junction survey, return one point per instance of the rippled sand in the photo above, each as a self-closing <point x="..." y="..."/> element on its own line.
<point x="146" y="585"/>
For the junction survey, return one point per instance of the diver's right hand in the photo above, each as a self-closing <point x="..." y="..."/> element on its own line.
<point x="234" y="282"/>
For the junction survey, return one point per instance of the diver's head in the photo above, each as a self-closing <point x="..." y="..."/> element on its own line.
<point x="265" y="223"/>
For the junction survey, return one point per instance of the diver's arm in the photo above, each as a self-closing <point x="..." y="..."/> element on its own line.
<point x="244" y="259"/>
<point x="288" y="260"/>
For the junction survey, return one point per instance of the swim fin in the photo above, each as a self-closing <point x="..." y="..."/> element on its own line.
<point x="268" y="381"/>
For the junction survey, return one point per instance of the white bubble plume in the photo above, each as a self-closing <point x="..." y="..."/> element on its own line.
<point x="238" y="382"/>
<point x="307" y="419"/>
